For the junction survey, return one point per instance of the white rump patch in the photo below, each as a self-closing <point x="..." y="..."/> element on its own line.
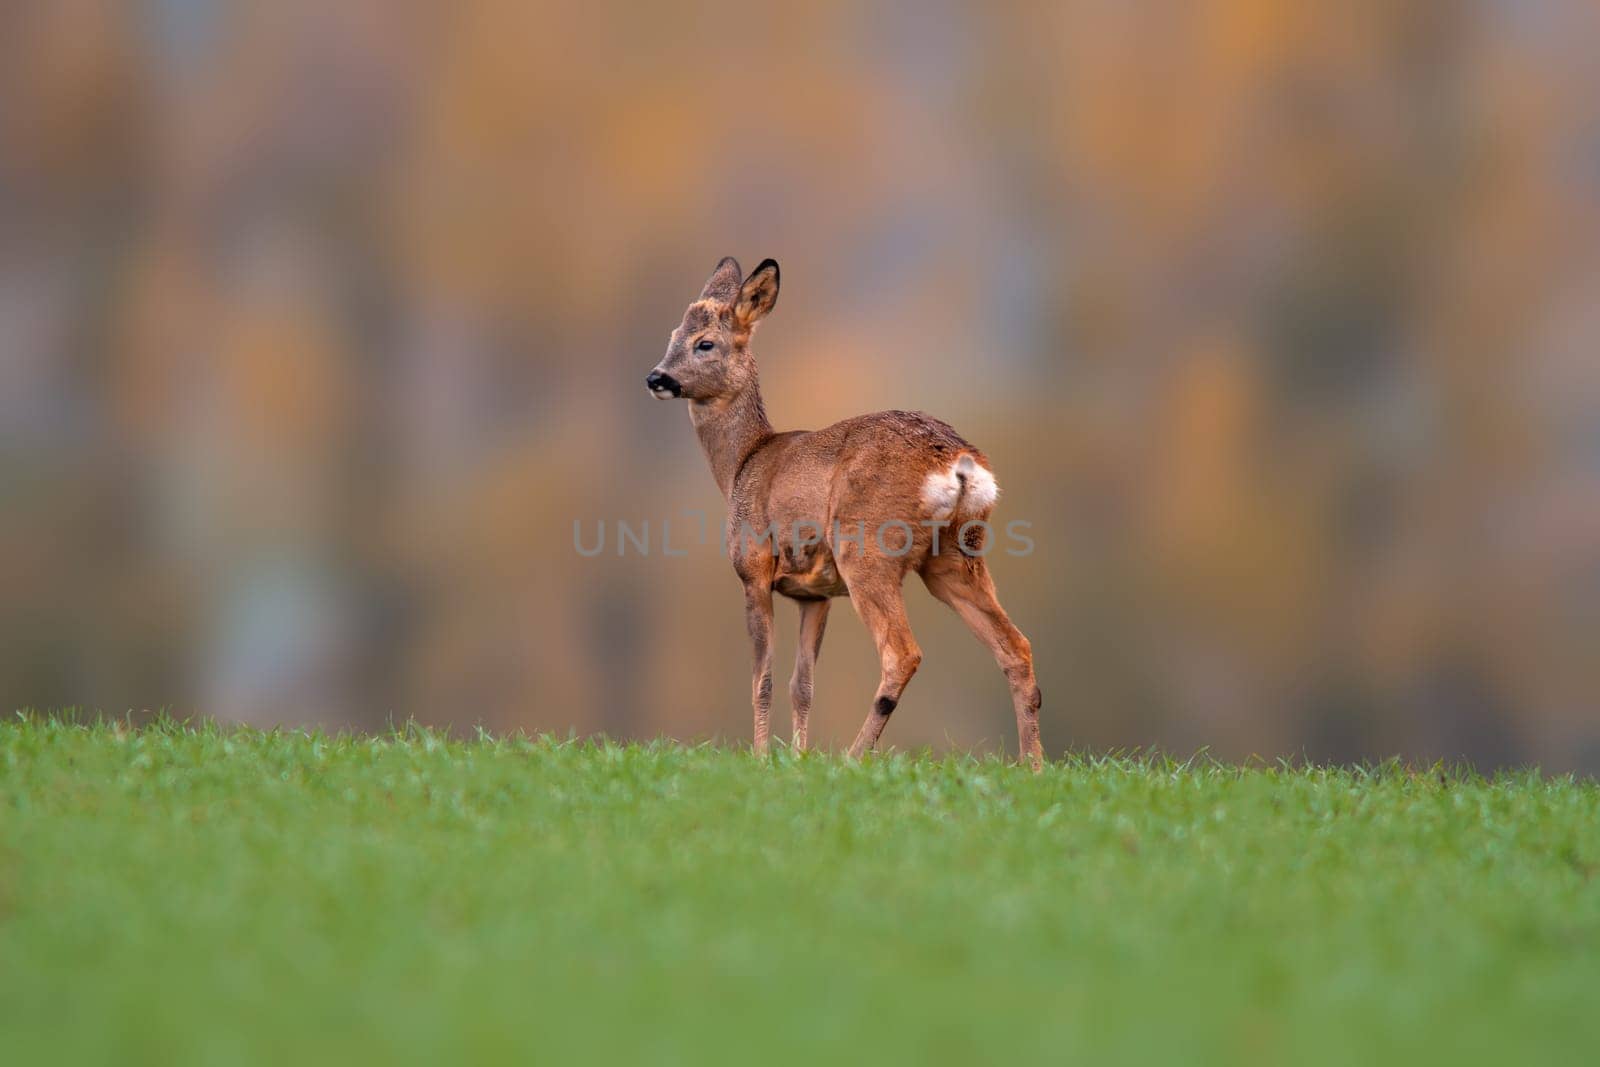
<point x="941" y="490"/>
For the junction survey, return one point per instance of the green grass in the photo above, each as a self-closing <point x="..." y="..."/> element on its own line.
<point x="202" y="896"/>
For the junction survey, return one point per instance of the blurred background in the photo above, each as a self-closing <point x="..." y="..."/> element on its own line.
<point x="321" y="325"/>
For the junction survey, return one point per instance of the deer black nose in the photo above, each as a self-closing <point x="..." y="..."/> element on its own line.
<point x="662" y="385"/>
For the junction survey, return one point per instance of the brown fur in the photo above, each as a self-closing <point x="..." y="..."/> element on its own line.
<point x="866" y="473"/>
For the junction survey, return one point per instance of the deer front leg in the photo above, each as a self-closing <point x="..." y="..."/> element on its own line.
<point x="813" y="620"/>
<point x="758" y="618"/>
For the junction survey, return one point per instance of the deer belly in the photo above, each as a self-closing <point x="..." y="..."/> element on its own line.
<point x="809" y="576"/>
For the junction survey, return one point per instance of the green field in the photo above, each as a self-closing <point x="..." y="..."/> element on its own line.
<point x="204" y="896"/>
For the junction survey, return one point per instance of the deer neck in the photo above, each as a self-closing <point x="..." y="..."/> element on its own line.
<point x="730" y="429"/>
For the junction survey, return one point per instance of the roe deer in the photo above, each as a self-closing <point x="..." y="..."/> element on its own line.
<point x="843" y="511"/>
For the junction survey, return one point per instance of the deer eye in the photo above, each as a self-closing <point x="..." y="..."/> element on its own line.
<point x="704" y="346"/>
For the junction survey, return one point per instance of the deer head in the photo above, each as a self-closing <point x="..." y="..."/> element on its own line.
<point x="708" y="356"/>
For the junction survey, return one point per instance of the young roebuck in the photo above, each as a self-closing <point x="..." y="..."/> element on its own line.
<point x="844" y="511"/>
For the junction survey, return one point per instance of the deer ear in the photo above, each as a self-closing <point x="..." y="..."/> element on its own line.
<point x="758" y="294"/>
<point x="723" y="285"/>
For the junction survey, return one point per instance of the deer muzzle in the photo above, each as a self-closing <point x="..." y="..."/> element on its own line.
<point x="662" y="385"/>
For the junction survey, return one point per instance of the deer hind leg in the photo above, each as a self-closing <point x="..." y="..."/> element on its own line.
<point x="758" y="619"/>
<point x="879" y="603"/>
<point x="963" y="582"/>
<point x="813" y="620"/>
